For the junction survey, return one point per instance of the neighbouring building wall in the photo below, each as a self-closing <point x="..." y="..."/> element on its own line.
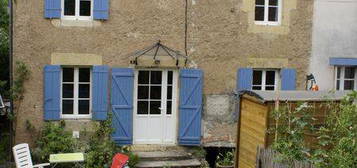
<point x="222" y="37"/>
<point x="334" y="35"/>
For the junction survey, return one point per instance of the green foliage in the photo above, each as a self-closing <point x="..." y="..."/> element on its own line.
<point x="225" y="159"/>
<point x="133" y="158"/>
<point x="53" y="139"/>
<point x="22" y="74"/>
<point x="4" y="145"/>
<point x="199" y="152"/>
<point x="289" y="132"/>
<point x="4" y="45"/>
<point x="338" y="137"/>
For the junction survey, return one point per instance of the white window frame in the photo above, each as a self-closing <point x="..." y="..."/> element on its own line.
<point x="77" y="10"/>
<point x="342" y="78"/>
<point x="76" y="98"/>
<point x="266" y="14"/>
<point x="263" y="85"/>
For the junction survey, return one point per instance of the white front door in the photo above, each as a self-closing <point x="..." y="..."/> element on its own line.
<point x="155" y="107"/>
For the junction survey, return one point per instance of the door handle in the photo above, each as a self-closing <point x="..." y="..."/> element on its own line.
<point x="160" y="108"/>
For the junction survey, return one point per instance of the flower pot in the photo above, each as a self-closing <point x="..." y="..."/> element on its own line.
<point x="221" y="166"/>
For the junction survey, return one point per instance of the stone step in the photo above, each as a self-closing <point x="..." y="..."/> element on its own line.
<point x="187" y="163"/>
<point x="163" y="155"/>
<point x="150" y="148"/>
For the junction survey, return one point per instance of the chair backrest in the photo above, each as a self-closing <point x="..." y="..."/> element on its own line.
<point x="119" y="160"/>
<point x="22" y="156"/>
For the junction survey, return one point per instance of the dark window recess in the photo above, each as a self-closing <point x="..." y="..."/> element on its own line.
<point x="257" y="88"/>
<point x="67" y="75"/>
<point x="156" y="77"/>
<point x="143" y="92"/>
<point x="143" y="77"/>
<point x="84" y="75"/>
<point x="69" y="7"/>
<point x="273" y="2"/>
<point x="83" y="107"/>
<point x="338" y="73"/>
<point x="85" y="7"/>
<point x="169" y="92"/>
<point x="349" y="85"/>
<point x="273" y="14"/>
<point x="155" y="92"/>
<point x="349" y="73"/>
<point x="67" y="107"/>
<point x="169" y="77"/>
<point x="155" y="107"/>
<point x="259" y="13"/>
<point x="143" y="107"/>
<point x="257" y="77"/>
<point x="67" y="91"/>
<point x="84" y="91"/>
<point x="260" y="2"/>
<point x="169" y="107"/>
<point x="270" y="78"/>
<point x="338" y="85"/>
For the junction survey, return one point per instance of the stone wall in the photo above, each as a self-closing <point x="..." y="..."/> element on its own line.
<point x="221" y="38"/>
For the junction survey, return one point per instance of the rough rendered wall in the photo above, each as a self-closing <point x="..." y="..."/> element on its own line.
<point x="334" y="35"/>
<point x="220" y="40"/>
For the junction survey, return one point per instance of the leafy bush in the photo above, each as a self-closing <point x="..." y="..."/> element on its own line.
<point x="225" y="159"/>
<point x="4" y="145"/>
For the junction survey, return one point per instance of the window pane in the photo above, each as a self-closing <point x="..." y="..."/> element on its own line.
<point x="83" y="107"/>
<point x="169" y="92"/>
<point x="67" y="75"/>
<point x="84" y="8"/>
<point x="259" y="13"/>
<point x="273" y="2"/>
<point x="143" y="77"/>
<point x="349" y="85"/>
<point x="155" y="107"/>
<point x="259" y="2"/>
<point x="67" y="91"/>
<point x="84" y="75"/>
<point x="67" y="107"/>
<point x="168" y="107"/>
<point x="143" y="107"/>
<point x="169" y="77"/>
<point x="273" y="14"/>
<point x="270" y="78"/>
<point x="143" y="92"/>
<point x="84" y="90"/>
<point x="349" y="73"/>
<point x="338" y="72"/>
<point x="156" y="77"/>
<point x="269" y="88"/>
<point x="257" y="88"/>
<point x="155" y="92"/>
<point x="338" y="85"/>
<point x="69" y="7"/>
<point x="257" y="77"/>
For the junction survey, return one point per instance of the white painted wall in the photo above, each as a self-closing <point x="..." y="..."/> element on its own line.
<point x="334" y="35"/>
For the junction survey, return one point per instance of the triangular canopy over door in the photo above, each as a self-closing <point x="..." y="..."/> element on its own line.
<point x="191" y="81"/>
<point x="122" y="105"/>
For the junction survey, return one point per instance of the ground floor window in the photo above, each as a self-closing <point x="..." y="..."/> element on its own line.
<point x="265" y="79"/>
<point x="76" y="92"/>
<point x="345" y="78"/>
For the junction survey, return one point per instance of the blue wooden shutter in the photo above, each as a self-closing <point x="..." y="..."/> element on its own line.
<point x="100" y="78"/>
<point x="191" y="81"/>
<point x="288" y="79"/>
<point x="122" y="105"/>
<point x="52" y="9"/>
<point x="244" y="79"/>
<point x="52" y="89"/>
<point x="101" y="9"/>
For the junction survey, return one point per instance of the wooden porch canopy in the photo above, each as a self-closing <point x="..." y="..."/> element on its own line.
<point x="158" y="55"/>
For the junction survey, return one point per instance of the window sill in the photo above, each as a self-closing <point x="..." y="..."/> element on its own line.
<point x="75" y="23"/>
<point x="267" y="23"/>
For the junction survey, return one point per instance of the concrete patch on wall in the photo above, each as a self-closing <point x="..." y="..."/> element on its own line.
<point x="75" y="59"/>
<point x="248" y="6"/>
<point x="219" y="125"/>
<point x="268" y="62"/>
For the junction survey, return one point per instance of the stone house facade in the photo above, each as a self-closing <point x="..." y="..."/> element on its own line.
<point x="87" y="58"/>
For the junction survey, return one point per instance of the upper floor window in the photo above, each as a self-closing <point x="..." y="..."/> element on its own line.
<point x="76" y="92"/>
<point x="77" y="9"/>
<point x="267" y="12"/>
<point x="265" y="79"/>
<point x="345" y="78"/>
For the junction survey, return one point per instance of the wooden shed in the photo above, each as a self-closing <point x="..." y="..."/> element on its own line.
<point x="255" y="117"/>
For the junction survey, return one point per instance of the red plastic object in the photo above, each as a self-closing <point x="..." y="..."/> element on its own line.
<point x="119" y="160"/>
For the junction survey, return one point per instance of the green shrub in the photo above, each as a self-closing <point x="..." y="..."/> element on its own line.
<point x="225" y="159"/>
